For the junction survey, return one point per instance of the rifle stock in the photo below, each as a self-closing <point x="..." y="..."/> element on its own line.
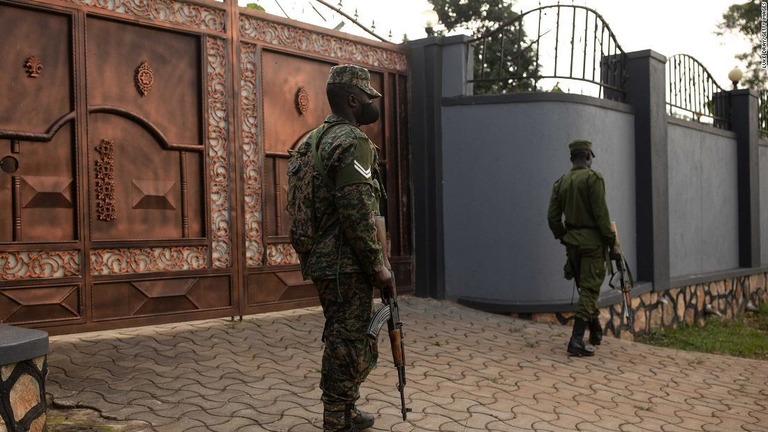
<point x="398" y="358"/>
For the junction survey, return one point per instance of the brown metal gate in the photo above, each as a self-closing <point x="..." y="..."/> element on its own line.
<point x="144" y="146"/>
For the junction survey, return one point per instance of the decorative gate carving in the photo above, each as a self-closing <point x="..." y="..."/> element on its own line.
<point x="143" y="172"/>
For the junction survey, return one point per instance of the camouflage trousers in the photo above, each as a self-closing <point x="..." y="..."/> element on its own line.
<point x="588" y="266"/>
<point x="349" y="354"/>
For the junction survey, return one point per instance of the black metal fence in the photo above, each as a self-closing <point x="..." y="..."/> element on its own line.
<point x="693" y="94"/>
<point x="551" y="48"/>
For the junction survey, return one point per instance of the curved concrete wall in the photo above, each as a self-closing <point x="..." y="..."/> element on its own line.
<point x="501" y="155"/>
<point x="703" y="199"/>
<point x="685" y="195"/>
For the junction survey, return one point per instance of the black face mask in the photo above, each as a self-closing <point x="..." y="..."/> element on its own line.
<point x="369" y="114"/>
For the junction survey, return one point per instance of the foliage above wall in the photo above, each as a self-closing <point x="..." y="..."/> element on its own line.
<point x="744" y="19"/>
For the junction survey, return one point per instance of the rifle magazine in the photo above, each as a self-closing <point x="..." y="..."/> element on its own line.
<point x="378" y="321"/>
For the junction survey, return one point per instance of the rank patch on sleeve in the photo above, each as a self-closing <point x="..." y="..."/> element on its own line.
<point x="365" y="172"/>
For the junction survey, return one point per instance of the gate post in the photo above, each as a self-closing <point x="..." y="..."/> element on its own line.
<point x="744" y="118"/>
<point x="646" y="85"/>
<point x="439" y="67"/>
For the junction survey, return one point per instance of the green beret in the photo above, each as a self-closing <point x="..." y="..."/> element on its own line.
<point x="581" y="144"/>
<point x="355" y="75"/>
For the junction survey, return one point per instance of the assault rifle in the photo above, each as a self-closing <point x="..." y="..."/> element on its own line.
<point x="390" y="314"/>
<point x="625" y="280"/>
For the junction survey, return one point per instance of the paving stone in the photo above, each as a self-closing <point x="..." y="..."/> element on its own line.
<point x="467" y="371"/>
<point x="151" y="418"/>
<point x="207" y="418"/>
<point x="177" y="411"/>
<point x="123" y="412"/>
<point x="183" y="424"/>
<point x="234" y="424"/>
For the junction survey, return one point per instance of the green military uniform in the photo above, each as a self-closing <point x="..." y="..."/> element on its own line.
<point x="346" y="253"/>
<point x="579" y="196"/>
<point x="350" y="159"/>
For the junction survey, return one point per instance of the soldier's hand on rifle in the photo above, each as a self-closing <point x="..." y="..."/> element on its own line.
<point x="614" y="254"/>
<point x="384" y="280"/>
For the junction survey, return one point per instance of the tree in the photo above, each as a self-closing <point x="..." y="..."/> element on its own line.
<point x="507" y="62"/>
<point x="745" y="19"/>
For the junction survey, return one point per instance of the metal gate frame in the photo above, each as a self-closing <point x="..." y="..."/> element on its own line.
<point x="40" y="278"/>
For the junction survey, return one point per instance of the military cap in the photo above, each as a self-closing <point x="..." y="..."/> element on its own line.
<point x="355" y="75"/>
<point x="581" y="144"/>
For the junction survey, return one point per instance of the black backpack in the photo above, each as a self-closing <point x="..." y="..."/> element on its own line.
<point x="304" y="164"/>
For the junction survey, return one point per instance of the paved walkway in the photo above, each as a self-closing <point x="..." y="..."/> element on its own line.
<point x="467" y="371"/>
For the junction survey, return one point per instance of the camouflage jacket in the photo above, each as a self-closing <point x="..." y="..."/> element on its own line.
<point x="580" y="196"/>
<point x="346" y="237"/>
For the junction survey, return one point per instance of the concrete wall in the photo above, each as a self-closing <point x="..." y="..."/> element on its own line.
<point x="501" y="155"/>
<point x="703" y="199"/>
<point x="764" y="200"/>
<point x="691" y="201"/>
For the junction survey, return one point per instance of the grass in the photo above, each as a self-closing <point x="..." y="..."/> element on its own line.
<point x="744" y="336"/>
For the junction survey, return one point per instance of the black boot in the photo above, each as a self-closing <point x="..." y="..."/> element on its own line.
<point x="361" y="420"/>
<point x="595" y="331"/>
<point x="576" y="345"/>
<point x="338" y="420"/>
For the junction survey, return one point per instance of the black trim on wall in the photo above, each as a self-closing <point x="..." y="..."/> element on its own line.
<point x="646" y="93"/>
<point x="425" y="63"/>
<point x="743" y="122"/>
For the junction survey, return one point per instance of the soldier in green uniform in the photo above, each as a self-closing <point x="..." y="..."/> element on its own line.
<point x="347" y="261"/>
<point x="579" y="195"/>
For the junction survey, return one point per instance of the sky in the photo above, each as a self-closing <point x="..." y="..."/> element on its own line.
<point x="665" y="26"/>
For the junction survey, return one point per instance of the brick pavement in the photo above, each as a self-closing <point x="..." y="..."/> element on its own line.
<point x="467" y="371"/>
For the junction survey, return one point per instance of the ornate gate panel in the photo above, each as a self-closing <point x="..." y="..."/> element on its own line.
<point x="289" y="63"/>
<point x="158" y="179"/>
<point x="41" y="253"/>
<point x="144" y="147"/>
<point x="145" y="130"/>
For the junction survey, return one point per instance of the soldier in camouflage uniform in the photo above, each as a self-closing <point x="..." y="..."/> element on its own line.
<point x="579" y="195"/>
<point x="347" y="260"/>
